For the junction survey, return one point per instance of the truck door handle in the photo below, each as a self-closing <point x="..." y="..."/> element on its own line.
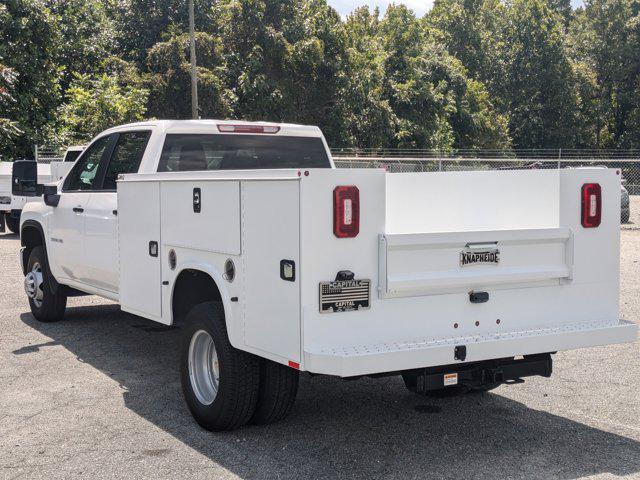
<point x="78" y="209"/>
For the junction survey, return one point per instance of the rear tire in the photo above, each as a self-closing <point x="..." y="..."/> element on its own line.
<point x="13" y="224"/>
<point x="220" y="384"/>
<point x="277" y="392"/>
<point x="49" y="303"/>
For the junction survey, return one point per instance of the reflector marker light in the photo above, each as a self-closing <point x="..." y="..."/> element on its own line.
<point x="346" y="211"/>
<point x="270" y="129"/>
<point x="591" y="205"/>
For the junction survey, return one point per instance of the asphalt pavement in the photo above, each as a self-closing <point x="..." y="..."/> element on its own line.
<point x="98" y="396"/>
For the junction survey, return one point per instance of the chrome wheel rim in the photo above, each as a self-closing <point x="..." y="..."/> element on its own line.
<point x="204" y="369"/>
<point x="33" y="284"/>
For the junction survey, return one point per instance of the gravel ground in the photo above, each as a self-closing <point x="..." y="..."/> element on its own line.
<point x="98" y="395"/>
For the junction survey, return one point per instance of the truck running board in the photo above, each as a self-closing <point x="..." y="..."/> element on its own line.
<point x="478" y="375"/>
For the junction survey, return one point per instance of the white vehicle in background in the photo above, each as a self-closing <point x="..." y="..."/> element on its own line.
<point x="274" y="262"/>
<point x="10" y="205"/>
<point x="59" y="170"/>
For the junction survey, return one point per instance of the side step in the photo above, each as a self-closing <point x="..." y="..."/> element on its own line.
<point x="477" y="375"/>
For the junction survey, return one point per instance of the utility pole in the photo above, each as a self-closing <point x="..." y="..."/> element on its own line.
<point x="194" y="73"/>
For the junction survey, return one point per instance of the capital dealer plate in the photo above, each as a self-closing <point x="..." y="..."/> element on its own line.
<point x="344" y="295"/>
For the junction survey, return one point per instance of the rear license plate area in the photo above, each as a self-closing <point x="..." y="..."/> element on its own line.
<point x="345" y="295"/>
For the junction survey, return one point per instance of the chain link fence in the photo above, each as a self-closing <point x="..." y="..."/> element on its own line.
<point x="48" y="155"/>
<point x="418" y="160"/>
<point x="431" y="161"/>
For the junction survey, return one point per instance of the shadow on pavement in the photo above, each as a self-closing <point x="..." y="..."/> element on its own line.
<point x="361" y="429"/>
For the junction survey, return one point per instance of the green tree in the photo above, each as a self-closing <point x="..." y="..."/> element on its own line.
<point x="140" y="24"/>
<point x="87" y="36"/>
<point x="97" y="102"/>
<point x="168" y="63"/>
<point x="604" y="36"/>
<point x="28" y="47"/>
<point x="285" y="60"/>
<point x="9" y="130"/>
<point x="538" y="87"/>
<point x="369" y="118"/>
<point x="425" y="95"/>
<point x="471" y="30"/>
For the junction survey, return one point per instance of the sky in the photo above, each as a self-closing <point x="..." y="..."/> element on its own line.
<point x="420" y="7"/>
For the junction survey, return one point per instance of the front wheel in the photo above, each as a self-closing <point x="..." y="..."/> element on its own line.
<point x="46" y="299"/>
<point x="220" y="383"/>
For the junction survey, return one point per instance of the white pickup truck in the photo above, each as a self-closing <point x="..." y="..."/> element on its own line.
<point x="274" y="262"/>
<point x="11" y="205"/>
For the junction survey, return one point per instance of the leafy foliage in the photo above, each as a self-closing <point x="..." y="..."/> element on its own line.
<point x="28" y="47"/>
<point x="98" y="102"/>
<point x="469" y="74"/>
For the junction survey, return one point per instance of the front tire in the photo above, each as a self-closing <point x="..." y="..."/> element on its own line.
<point x="219" y="382"/>
<point x="13" y="224"/>
<point x="46" y="299"/>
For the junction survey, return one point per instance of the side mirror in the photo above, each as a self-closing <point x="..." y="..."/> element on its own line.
<point x="51" y="195"/>
<point x="24" y="179"/>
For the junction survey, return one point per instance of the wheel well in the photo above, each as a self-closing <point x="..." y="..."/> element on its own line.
<point x="191" y="288"/>
<point x="30" y="237"/>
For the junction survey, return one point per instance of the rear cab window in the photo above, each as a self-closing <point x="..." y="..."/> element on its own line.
<point x="202" y="152"/>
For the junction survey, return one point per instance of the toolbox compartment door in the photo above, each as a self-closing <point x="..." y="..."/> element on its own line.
<point x="138" y="229"/>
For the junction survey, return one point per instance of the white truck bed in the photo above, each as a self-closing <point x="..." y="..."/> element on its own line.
<point x="556" y="286"/>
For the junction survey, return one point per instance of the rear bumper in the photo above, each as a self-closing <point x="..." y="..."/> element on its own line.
<point x="395" y="356"/>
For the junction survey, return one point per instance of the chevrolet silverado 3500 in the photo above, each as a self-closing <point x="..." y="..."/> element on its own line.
<point x="274" y="262"/>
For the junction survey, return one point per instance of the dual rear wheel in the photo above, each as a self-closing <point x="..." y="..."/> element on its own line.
<point x="224" y="387"/>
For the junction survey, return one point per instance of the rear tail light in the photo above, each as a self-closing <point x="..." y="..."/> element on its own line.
<point x="346" y="211"/>
<point x="226" y="128"/>
<point x="591" y="205"/>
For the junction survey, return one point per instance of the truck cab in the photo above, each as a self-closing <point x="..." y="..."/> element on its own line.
<point x="82" y="225"/>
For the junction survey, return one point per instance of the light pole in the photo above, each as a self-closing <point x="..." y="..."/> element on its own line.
<point x="194" y="73"/>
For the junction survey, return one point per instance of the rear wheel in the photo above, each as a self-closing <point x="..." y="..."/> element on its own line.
<point x="13" y="224"/>
<point x="219" y="382"/>
<point x="277" y="392"/>
<point x="46" y="299"/>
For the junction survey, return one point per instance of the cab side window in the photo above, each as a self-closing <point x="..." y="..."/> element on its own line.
<point x="126" y="156"/>
<point x="84" y="172"/>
